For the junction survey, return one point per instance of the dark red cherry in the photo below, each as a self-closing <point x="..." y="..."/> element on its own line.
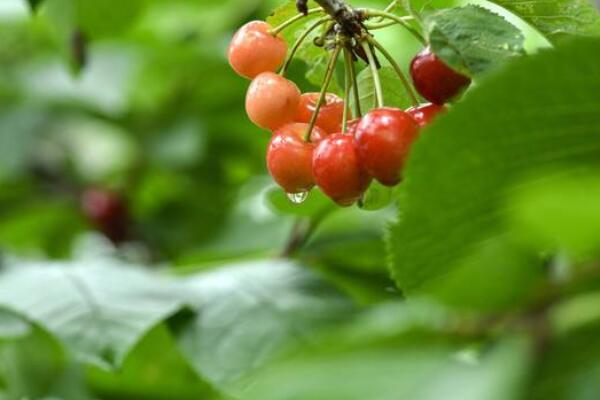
<point x="107" y="211"/>
<point x="338" y="170"/>
<point x="434" y="80"/>
<point x="383" y="140"/>
<point x="425" y="113"/>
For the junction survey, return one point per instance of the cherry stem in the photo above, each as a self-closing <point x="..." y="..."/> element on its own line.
<point x="388" y="56"/>
<point x="299" y="42"/>
<point x="350" y="63"/>
<point x="389" y="8"/>
<point x="323" y="95"/>
<point x="275" y="31"/>
<point x="347" y="89"/>
<point x="372" y="27"/>
<point x="376" y="80"/>
<point x="369" y="13"/>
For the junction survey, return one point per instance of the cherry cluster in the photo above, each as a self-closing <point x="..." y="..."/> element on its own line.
<point x="316" y="138"/>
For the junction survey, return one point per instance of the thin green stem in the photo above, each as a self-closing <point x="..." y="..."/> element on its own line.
<point x="387" y="24"/>
<point x="347" y="89"/>
<point x="374" y="71"/>
<point x="386" y="15"/>
<point x="293" y="20"/>
<point x="389" y="8"/>
<point x="322" y="96"/>
<point x="299" y="42"/>
<point x="388" y="56"/>
<point x="350" y="63"/>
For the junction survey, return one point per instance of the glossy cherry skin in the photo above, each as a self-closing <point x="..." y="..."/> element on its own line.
<point x="338" y="170"/>
<point x="350" y="127"/>
<point x="272" y="101"/>
<point x="107" y="211"/>
<point x="425" y="113"/>
<point x="383" y="140"/>
<point x="330" y="115"/>
<point x="434" y="80"/>
<point x="253" y="50"/>
<point x="289" y="157"/>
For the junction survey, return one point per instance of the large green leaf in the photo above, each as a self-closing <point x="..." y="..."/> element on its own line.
<point x="472" y="39"/>
<point x="248" y="313"/>
<point x="557" y="18"/>
<point x="543" y="111"/>
<point x="394" y="93"/>
<point x="86" y="304"/>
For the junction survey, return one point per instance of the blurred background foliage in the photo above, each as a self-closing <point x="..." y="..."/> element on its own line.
<point x="226" y="290"/>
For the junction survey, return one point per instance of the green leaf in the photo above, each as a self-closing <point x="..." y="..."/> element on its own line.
<point x="376" y="197"/>
<point x="453" y="198"/>
<point x="248" y="313"/>
<point x="571" y="368"/>
<point x="84" y="304"/>
<point x="394" y="93"/>
<point x="559" y="210"/>
<point x="95" y="19"/>
<point x="11" y="326"/>
<point x="391" y="368"/>
<point x="34" y="4"/>
<point x="315" y="204"/>
<point x="472" y="39"/>
<point x="557" y="18"/>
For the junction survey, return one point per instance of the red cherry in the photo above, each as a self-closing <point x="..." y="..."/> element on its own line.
<point x="289" y="157"/>
<point x="253" y="50"/>
<point x="330" y="115"/>
<point x="383" y="140"/>
<point x="107" y="211"/>
<point x="272" y="101"/>
<point x="350" y="127"/>
<point x="338" y="170"/>
<point x="434" y="80"/>
<point x="425" y="113"/>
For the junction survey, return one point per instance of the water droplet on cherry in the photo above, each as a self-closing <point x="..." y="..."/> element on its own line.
<point x="297" y="198"/>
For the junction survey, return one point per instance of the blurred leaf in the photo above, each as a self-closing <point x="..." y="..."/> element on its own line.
<point x="34" y="3"/>
<point x="570" y="369"/>
<point x="406" y="368"/>
<point x="472" y="39"/>
<point x="449" y="209"/>
<point x="11" y="326"/>
<point x="560" y="211"/>
<point x="377" y="197"/>
<point x="85" y="305"/>
<point x="315" y="204"/>
<point x="154" y="370"/>
<point x="248" y="313"/>
<point x="394" y="93"/>
<point x="557" y="18"/>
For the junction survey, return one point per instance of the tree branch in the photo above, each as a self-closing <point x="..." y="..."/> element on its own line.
<point x="347" y="17"/>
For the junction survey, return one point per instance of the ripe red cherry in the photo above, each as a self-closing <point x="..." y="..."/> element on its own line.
<point x="350" y="127"/>
<point x="107" y="211"/>
<point x="289" y="157"/>
<point x="383" y="140"/>
<point x="272" y="101"/>
<point x="338" y="170"/>
<point x="434" y="80"/>
<point x="253" y="50"/>
<point x="330" y="115"/>
<point x="425" y="113"/>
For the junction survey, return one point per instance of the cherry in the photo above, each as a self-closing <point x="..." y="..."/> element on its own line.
<point x="383" y="140"/>
<point x="107" y="211"/>
<point x="338" y="171"/>
<point x="330" y="115"/>
<point x="253" y="50"/>
<point x="434" y="80"/>
<point x="272" y="101"/>
<point x="350" y="127"/>
<point x="289" y="157"/>
<point x="425" y="113"/>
